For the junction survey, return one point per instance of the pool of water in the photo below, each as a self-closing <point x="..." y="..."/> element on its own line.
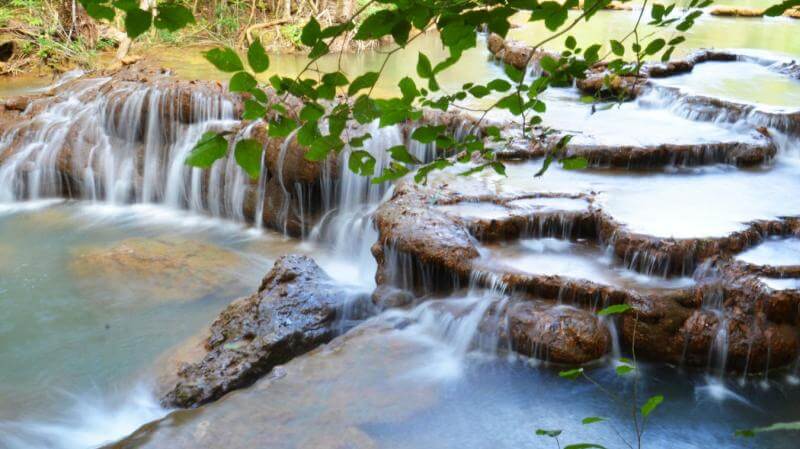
<point x="774" y="251"/>
<point x="739" y="81"/>
<point x="694" y="203"/>
<point x="93" y="295"/>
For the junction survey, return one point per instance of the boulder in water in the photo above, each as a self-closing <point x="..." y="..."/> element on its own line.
<point x="557" y="333"/>
<point x="295" y="310"/>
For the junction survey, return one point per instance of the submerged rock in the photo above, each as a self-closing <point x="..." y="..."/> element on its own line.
<point x="296" y="309"/>
<point x="156" y="269"/>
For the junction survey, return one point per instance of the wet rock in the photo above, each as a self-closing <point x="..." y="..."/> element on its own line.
<point x="559" y="334"/>
<point x="514" y="53"/>
<point x="407" y="225"/>
<point x="155" y="269"/>
<point x="760" y="150"/>
<point x="390" y="297"/>
<point x="602" y="84"/>
<point x="295" y="310"/>
<point x="735" y="11"/>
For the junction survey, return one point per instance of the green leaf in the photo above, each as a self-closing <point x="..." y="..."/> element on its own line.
<point x="401" y="154"/>
<point x="224" y="59"/>
<point x="125" y="5"/>
<point x="323" y="146"/>
<point x="553" y="14"/>
<point x="654" y="46"/>
<point x="172" y="16"/>
<point x="571" y="374"/>
<point x="311" y="112"/>
<point x="427" y="134"/>
<point x="770" y="428"/>
<point x="361" y="163"/>
<point x="377" y="25"/>
<point x="574" y="162"/>
<point x="584" y="446"/>
<point x="513" y="73"/>
<point x="780" y="8"/>
<point x="394" y="171"/>
<point x="335" y="79"/>
<point x="499" y="85"/>
<point x="212" y="146"/>
<point x="319" y="49"/>
<point x="424" y="68"/>
<point x="479" y="91"/>
<point x="651" y="404"/>
<point x="624" y="369"/>
<point x="99" y="10"/>
<point x="570" y="43"/>
<point x="253" y="110"/>
<point x="137" y="22"/>
<point x="548" y="433"/>
<point x="248" y="155"/>
<point x="592" y="54"/>
<point x="259" y="94"/>
<point x="242" y="82"/>
<point x="617" y="48"/>
<point x="257" y="57"/>
<point x="356" y="142"/>
<point x="593" y="419"/>
<point x="308" y="133"/>
<point x="422" y="173"/>
<point x="400" y="32"/>
<point x="281" y="126"/>
<point x="311" y="33"/>
<point x="409" y="89"/>
<point x="365" y="81"/>
<point x="614" y="310"/>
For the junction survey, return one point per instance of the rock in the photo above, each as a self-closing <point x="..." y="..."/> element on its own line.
<point x="155" y="269"/>
<point x="735" y="11"/>
<point x="407" y="225"/>
<point x="559" y="334"/>
<point x="295" y="310"/>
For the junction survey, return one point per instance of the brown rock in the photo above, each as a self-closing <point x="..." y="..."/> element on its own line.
<point x="295" y="310"/>
<point x="560" y="334"/>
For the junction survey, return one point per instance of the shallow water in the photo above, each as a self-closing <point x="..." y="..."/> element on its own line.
<point x="692" y="203"/>
<point x="78" y="351"/>
<point x="739" y="81"/>
<point x="574" y="260"/>
<point x="774" y="251"/>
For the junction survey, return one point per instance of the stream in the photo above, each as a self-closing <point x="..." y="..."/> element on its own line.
<point x="100" y="290"/>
